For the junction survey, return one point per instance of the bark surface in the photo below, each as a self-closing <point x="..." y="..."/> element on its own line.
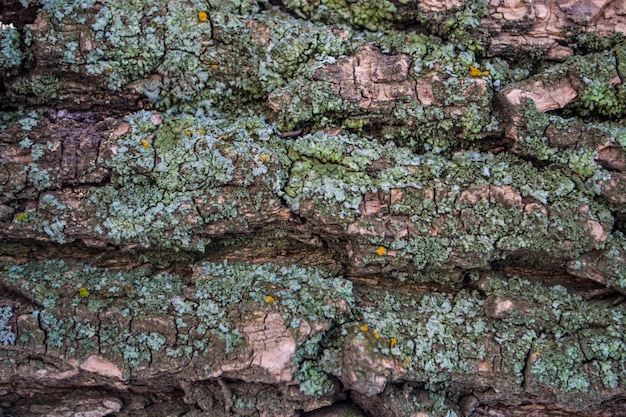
<point x="312" y="208"/>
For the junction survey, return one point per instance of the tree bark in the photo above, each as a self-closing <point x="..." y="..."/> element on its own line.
<point x="312" y="208"/>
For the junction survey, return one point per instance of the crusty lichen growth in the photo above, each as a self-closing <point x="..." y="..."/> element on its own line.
<point x="517" y="334"/>
<point x="528" y="336"/>
<point x="408" y="177"/>
<point x="11" y="54"/>
<point x="146" y="321"/>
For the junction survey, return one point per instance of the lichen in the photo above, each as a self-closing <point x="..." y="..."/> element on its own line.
<point x="444" y="338"/>
<point x="11" y="55"/>
<point x="193" y="316"/>
<point x="7" y="337"/>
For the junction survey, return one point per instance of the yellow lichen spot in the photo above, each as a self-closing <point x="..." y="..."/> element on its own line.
<point x="475" y="72"/>
<point x="485" y="73"/>
<point x="201" y="132"/>
<point x="376" y="334"/>
<point x="145" y="143"/>
<point x="188" y="132"/>
<point x="538" y="352"/>
<point x="214" y="66"/>
<point x="21" y="217"/>
<point x="617" y="52"/>
<point x="381" y="251"/>
<point x="269" y="299"/>
<point x="393" y="342"/>
<point x="364" y="328"/>
<point x="264" y="158"/>
<point x="202" y="16"/>
<point x="83" y="292"/>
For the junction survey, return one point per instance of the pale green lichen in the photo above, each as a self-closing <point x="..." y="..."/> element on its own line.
<point x="11" y="55"/>
<point x="446" y="337"/>
<point x="201" y="310"/>
<point x="341" y="169"/>
<point x="7" y="337"/>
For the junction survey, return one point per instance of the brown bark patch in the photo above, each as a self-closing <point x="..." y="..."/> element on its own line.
<point x="372" y="78"/>
<point x="272" y="345"/>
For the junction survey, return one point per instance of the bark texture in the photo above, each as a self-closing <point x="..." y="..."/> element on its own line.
<point x="312" y="208"/>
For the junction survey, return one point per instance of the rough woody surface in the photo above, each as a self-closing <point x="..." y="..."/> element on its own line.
<point x="313" y="208"/>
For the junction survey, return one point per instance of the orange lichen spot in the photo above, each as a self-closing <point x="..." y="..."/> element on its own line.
<point x="144" y="143"/>
<point x="485" y="73"/>
<point x="269" y="299"/>
<point x="83" y="292"/>
<point x="203" y="17"/>
<point x="393" y="342"/>
<point x="376" y="334"/>
<point x="188" y="132"/>
<point x="21" y="217"/>
<point x="381" y="251"/>
<point x="475" y="72"/>
<point x="264" y="158"/>
<point x="364" y="328"/>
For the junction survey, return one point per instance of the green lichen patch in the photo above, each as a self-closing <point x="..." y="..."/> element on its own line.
<point x="364" y="14"/>
<point x="296" y="293"/>
<point x="144" y="318"/>
<point x="580" y="346"/>
<point x="44" y="88"/>
<point x="460" y="24"/>
<point x="11" y="55"/>
<point x="169" y="180"/>
<point x="597" y="79"/>
<point x="541" y="337"/>
<point x="435" y="212"/>
<point x="435" y="106"/>
<point x="184" y="165"/>
<point x="7" y="336"/>
<point x="176" y="53"/>
<point x="172" y="57"/>
<point x="598" y="82"/>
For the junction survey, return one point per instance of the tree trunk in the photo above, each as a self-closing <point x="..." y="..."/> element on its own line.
<point x="312" y="208"/>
